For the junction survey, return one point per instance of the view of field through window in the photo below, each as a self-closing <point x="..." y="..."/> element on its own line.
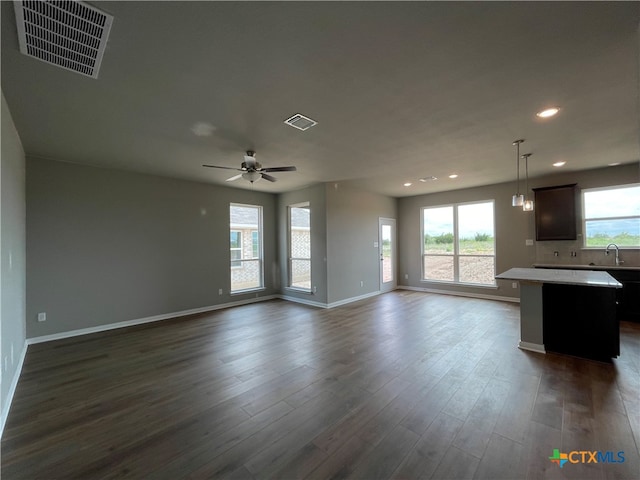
<point x="612" y="215"/>
<point x="465" y="254"/>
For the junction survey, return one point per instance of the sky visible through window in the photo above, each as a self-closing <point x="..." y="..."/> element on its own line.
<point x="601" y="205"/>
<point x="473" y="218"/>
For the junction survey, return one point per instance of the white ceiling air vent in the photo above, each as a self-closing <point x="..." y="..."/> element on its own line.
<point x="300" y="122"/>
<point x="66" y="33"/>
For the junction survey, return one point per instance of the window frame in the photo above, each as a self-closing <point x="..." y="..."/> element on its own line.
<point x="585" y="219"/>
<point x="259" y="259"/>
<point x="455" y="255"/>
<point x="290" y="258"/>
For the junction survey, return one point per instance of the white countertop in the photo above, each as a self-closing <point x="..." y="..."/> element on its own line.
<point x="569" y="277"/>
<point x="587" y="267"/>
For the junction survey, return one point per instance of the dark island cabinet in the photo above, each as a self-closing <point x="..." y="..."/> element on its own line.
<point x="580" y="321"/>
<point x="628" y="298"/>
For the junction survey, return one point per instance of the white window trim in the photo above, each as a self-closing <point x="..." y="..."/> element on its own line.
<point x="585" y="219"/>
<point x="290" y="259"/>
<point x="456" y="254"/>
<point x="260" y="259"/>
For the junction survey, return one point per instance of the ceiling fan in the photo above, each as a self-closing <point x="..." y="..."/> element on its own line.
<point x="252" y="170"/>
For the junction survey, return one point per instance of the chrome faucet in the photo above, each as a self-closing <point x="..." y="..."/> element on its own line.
<point x="606" y="252"/>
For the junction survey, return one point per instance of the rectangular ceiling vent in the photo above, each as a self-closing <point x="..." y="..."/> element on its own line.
<point x="300" y="122"/>
<point x="66" y="33"/>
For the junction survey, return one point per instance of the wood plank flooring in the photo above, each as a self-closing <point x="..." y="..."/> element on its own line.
<point x="405" y="385"/>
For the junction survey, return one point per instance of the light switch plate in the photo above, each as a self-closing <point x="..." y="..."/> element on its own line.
<point x="528" y="242"/>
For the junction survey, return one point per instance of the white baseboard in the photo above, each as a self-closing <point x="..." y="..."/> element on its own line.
<point x="141" y="321"/>
<point x="12" y="388"/>
<point x="303" y="301"/>
<point x="460" y="294"/>
<point x="532" y="347"/>
<point x="353" y="299"/>
<point x="329" y="305"/>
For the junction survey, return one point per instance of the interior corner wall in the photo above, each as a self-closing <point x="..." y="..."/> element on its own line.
<point x="107" y="246"/>
<point x="316" y="197"/>
<point x="12" y="253"/>
<point x="353" y="264"/>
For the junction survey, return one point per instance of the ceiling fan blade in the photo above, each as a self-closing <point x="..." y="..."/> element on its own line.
<point x="279" y="169"/>
<point x="225" y="168"/>
<point x="268" y="177"/>
<point x="235" y="177"/>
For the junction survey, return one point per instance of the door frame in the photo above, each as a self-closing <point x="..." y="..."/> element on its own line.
<point x="393" y="284"/>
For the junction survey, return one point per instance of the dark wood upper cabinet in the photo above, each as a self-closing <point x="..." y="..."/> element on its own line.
<point x="555" y="211"/>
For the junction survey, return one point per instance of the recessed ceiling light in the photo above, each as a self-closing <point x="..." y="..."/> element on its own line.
<point x="559" y="164"/>
<point x="408" y="184"/>
<point x="453" y="175"/>
<point x="549" y="112"/>
<point x="614" y="164"/>
<point x="428" y="179"/>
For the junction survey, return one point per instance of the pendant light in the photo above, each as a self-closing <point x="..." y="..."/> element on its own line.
<point x="518" y="199"/>
<point x="527" y="205"/>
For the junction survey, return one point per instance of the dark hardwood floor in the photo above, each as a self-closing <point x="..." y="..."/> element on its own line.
<point x="403" y="385"/>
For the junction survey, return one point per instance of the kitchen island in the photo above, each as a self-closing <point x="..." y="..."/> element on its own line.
<point x="567" y="311"/>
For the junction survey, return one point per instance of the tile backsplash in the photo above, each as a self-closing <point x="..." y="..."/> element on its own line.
<point x="546" y="253"/>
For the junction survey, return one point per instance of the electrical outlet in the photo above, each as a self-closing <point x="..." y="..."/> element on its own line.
<point x="315" y="289"/>
<point x="514" y="284"/>
<point x="219" y="291"/>
<point x="361" y="283"/>
<point x="406" y="276"/>
<point x="42" y="317"/>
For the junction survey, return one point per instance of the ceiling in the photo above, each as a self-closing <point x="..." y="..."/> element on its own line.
<point x="400" y="91"/>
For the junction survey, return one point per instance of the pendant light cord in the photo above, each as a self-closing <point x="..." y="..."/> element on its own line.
<point x="518" y="168"/>
<point x="526" y="176"/>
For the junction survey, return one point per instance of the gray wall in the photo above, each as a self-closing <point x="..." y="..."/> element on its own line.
<point x="316" y="197"/>
<point x="106" y="246"/>
<point x="513" y="227"/>
<point x="12" y="248"/>
<point x="352" y="229"/>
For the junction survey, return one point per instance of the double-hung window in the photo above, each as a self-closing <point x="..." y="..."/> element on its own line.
<point x="611" y="215"/>
<point x="458" y="243"/>
<point x="299" y="223"/>
<point x="245" y="245"/>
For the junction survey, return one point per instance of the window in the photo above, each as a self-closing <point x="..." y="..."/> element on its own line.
<point x="458" y="243"/>
<point x="245" y="245"/>
<point x="612" y="215"/>
<point x="300" y="247"/>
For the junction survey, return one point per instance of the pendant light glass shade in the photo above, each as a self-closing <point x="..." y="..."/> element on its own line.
<point x="518" y="199"/>
<point x="527" y="206"/>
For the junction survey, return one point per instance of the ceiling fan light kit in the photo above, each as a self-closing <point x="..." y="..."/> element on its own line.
<point x="253" y="176"/>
